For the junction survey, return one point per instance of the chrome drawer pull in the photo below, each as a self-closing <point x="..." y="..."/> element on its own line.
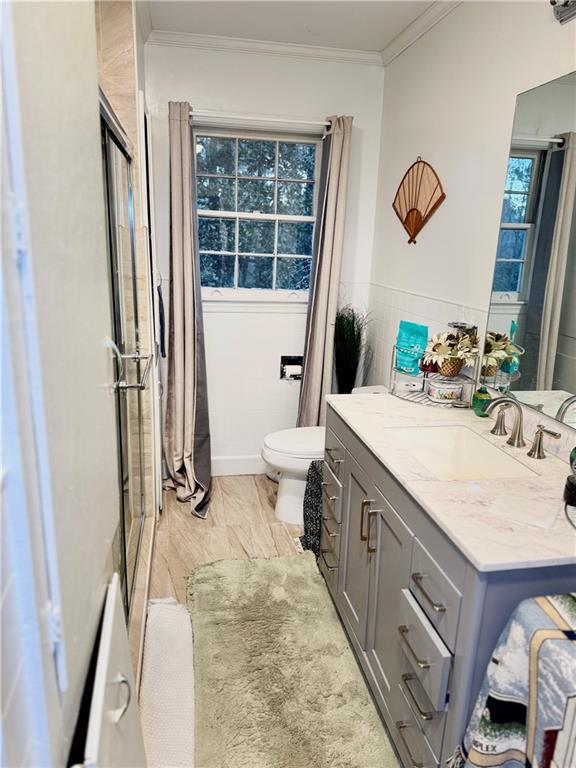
<point x="365" y="503"/>
<point x="400" y="727"/>
<point x="420" y="663"/>
<point x="328" y="497"/>
<point x="417" y="578"/>
<point x="371" y="514"/>
<point x="330" y="451"/>
<point x="421" y="713"/>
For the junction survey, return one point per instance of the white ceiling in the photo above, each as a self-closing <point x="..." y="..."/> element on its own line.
<point x="362" y="25"/>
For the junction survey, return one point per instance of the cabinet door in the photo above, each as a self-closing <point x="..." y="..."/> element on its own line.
<point x="114" y="738"/>
<point x="354" y="555"/>
<point x="392" y="540"/>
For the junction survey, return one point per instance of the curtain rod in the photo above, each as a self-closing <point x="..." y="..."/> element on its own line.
<point x="544" y="139"/>
<point x="256" y="118"/>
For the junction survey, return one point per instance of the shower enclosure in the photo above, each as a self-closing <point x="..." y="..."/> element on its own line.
<point x="132" y="367"/>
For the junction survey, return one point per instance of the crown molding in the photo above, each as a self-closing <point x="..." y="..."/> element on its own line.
<point x="144" y="18"/>
<point x="241" y="45"/>
<point x="419" y="27"/>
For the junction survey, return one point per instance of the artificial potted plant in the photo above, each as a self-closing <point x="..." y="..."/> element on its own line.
<point x="351" y="350"/>
<point x="449" y="352"/>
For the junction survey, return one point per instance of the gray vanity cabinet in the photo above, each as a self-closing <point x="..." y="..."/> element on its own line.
<point x="422" y="620"/>
<point x="359" y="495"/>
<point x="390" y="545"/>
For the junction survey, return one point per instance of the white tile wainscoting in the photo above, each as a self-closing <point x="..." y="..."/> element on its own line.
<point x="388" y="306"/>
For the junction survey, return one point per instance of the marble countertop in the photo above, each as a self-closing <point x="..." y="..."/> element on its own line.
<point x="499" y="524"/>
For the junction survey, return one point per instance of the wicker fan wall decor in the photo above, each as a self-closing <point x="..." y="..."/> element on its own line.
<point x="420" y="194"/>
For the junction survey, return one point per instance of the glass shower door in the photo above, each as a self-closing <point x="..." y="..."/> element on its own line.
<point x="132" y="367"/>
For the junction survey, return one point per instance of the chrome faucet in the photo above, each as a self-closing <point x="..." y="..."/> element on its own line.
<point x="564" y="407"/>
<point x="516" y="439"/>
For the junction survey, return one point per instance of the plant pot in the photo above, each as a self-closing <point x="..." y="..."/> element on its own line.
<point x="489" y="371"/>
<point x="451" y="367"/>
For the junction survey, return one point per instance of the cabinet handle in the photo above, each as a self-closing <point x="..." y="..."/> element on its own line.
<point x="325" y="492"/>
<point x="371" y="514"/>
<point x="365" y="503"/>
<point x="420" y="663"/>
<point x="330" y="535"/>
<point x="401" y="727"/>
<point x="422" y="713"/>
<point x="118" y="714"/>
<point x="330" y="451"/>
<point x="417" y="578"/>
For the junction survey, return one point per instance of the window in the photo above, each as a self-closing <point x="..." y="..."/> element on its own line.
<point x="256" y="210"/>
<point x="516" y="241"/>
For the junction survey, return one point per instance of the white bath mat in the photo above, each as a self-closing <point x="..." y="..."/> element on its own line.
<point x="167" y="689"/>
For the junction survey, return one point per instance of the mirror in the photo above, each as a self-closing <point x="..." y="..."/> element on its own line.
<point x="530" y="346"/>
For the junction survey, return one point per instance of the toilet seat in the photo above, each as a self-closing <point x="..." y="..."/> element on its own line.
<point x="302" y="442"/>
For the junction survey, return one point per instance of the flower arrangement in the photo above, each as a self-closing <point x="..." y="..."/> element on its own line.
<point x="448" y="352"/>
<point x="498" y="348"/>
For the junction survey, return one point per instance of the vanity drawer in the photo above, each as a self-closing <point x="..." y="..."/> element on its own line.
<point x="431" y="722"/>
<point x="436" y="594"/>
<point x="334" y="452"/>
<point x="330" y="538"/>
<point x="331" y="494"/>
<point x="425" y="652"/>
<point x="328" y="566"/>
<point x="411" y="742"/>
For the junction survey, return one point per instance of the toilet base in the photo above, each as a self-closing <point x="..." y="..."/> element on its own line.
<point x="290" y="501"/>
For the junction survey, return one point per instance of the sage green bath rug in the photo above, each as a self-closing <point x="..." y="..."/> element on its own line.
<point x="276" y="683"/>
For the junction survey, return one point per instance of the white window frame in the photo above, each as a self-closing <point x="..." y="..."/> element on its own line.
<point x="533" y="212"/>
<point x="276" y="295"/>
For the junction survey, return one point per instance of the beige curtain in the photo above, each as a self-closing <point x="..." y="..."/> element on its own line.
<point x="557" y="270"/>
<point x="186" y="429"/>
<point x="325" y="279"/>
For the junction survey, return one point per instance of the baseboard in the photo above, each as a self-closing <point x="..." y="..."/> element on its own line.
<point x="237" y="465"/>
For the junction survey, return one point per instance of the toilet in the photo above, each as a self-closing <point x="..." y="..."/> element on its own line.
<point x="290" y="453"/>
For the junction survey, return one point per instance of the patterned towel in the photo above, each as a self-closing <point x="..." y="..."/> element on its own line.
<point x="525" y="714"/>
<point x="313" y="508"/>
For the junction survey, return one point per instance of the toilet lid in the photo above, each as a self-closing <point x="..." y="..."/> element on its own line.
<point x="305" y="442"/>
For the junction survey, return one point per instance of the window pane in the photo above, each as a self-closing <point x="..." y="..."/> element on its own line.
<point x="514" y="209"/>
<point x="295" y="198"/>
<point x="256" y="158"/>
<point x="507" y="276"/>
<point x="217" y="271"/>
<point x="215" y="234"/>
<point x="216" y="194"/>
<point x="295" y="238"/>
<point x="293" y="274"/>
<point x="296" y="161"/>
<point x="256" y="236"/>
<point x="511" y="243"/>
<point x="255" y="272"/>
<point x="256" y="196"/>
<point x="519" y="174"/>
<point x="215" y="154"/>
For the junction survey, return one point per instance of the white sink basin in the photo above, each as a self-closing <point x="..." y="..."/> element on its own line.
<point x="457" y="453"/>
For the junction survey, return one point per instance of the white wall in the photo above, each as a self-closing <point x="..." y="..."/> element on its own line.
<point x="57" y="86"/>
<point x="243" y="346"/>
<point x="451" y="98"/>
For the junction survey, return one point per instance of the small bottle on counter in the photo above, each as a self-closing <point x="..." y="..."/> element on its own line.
<point x="480" y="401"/>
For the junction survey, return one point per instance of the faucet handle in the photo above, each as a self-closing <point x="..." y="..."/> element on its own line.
<point x="537" y="449"/>
<point x="500" y="427"/>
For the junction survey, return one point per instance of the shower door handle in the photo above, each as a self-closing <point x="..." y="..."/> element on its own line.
<point x="143" y="383"/>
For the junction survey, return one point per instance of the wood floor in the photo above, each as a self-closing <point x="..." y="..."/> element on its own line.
<point x="240" y="525"/>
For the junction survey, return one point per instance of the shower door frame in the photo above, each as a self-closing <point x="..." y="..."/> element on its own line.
<point x="112" y="133"/>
